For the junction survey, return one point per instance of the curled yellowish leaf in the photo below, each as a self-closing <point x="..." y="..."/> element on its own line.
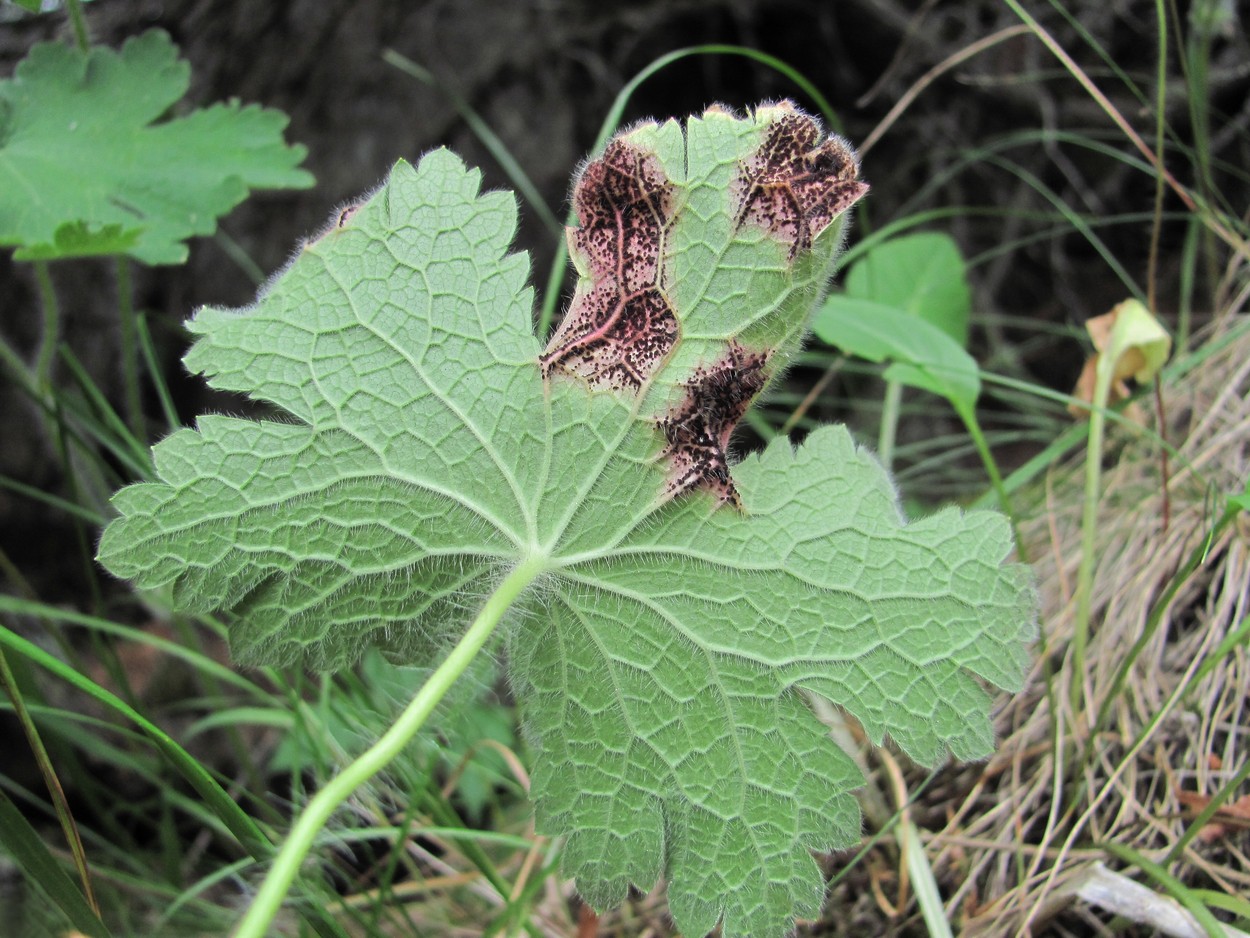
<point x="1130" y="343"/>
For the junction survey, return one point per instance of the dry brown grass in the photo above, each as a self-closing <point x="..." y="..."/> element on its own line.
<point x="1035" y="817"/>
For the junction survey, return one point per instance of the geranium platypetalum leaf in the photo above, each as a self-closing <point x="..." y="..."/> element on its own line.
<point x="688" y="604"/>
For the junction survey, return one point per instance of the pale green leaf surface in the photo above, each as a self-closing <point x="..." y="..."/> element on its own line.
<point x="662" y="658"/>
<point x="85" y="170"/>
<point x="922" y="355"/>
<point x="922" y="273"/>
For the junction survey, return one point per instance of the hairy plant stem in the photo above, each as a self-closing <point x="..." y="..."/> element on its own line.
<point x="256" y="922"/>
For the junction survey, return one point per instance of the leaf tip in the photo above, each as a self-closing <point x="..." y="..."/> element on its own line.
<point x="798" y="181"/>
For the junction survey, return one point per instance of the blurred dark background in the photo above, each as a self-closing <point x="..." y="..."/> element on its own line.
<point x="542" y="74"/>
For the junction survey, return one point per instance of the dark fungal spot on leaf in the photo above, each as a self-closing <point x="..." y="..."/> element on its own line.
<point x="697" y="431"/>
<point x="341" y="219"/>
<point x="795" y="185"/>
<point x="346" y="213"/>
<point x="619" y="329"/>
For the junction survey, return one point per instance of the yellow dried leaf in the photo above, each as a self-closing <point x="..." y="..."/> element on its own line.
<point x="1131" y="343"/>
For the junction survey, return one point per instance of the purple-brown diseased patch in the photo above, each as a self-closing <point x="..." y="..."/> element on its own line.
<point x="339" y="221"/>
<point x="697" y="431"/>
<point x="616" y="333"/>
<point x="347" y="212"/>
<point x="795" y="185"/>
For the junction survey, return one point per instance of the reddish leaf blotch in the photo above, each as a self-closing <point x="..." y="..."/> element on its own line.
<point x="618" y="330"/>
<point x="697" y="431"/>
<point x="795" y="185"/>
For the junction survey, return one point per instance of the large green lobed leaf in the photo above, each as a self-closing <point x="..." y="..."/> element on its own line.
<point x="662" y="659"/>
<point x="85" y="170"/>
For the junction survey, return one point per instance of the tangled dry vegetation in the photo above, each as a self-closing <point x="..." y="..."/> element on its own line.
<point x="1168" y="673"/>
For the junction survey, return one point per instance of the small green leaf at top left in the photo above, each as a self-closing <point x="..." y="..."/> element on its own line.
<point x="88" y="166"/>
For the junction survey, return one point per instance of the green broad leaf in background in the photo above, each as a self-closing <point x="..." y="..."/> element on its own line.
<point x="907" y="302"/>
<point x="921" y="355"/>
<point x="921" y="273"/>
<point x="685" y="605"/>
<point x="84" y="170"/>
<point x="32" y="6"/>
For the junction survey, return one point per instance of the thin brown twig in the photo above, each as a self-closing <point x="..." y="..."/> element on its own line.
<point x="899" y="787"/>
<point x="900" y="54"/>
<point x="817" y="389"/>
<point x="931" y="75"/>
<point x="1209" y="219"/>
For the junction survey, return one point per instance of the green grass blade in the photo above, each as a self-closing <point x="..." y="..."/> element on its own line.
<point x="113" y="432"/>
<point x="218" y="876"/>
<point x="156" y="374"/>
<point x="1235" y="904"/>
<point x="198" y="660"/>
<point x="244" y="829"/>
<point x="52" y="501"/>
<point x="1173" y="886"/>
<point x="497" y="148"/>
<point x="50" y="779"/>
<point x="22" y="842"/>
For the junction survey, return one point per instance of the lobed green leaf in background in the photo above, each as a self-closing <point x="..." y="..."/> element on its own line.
<point x="663" y="649"/>
<point x="88" y="167"/>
